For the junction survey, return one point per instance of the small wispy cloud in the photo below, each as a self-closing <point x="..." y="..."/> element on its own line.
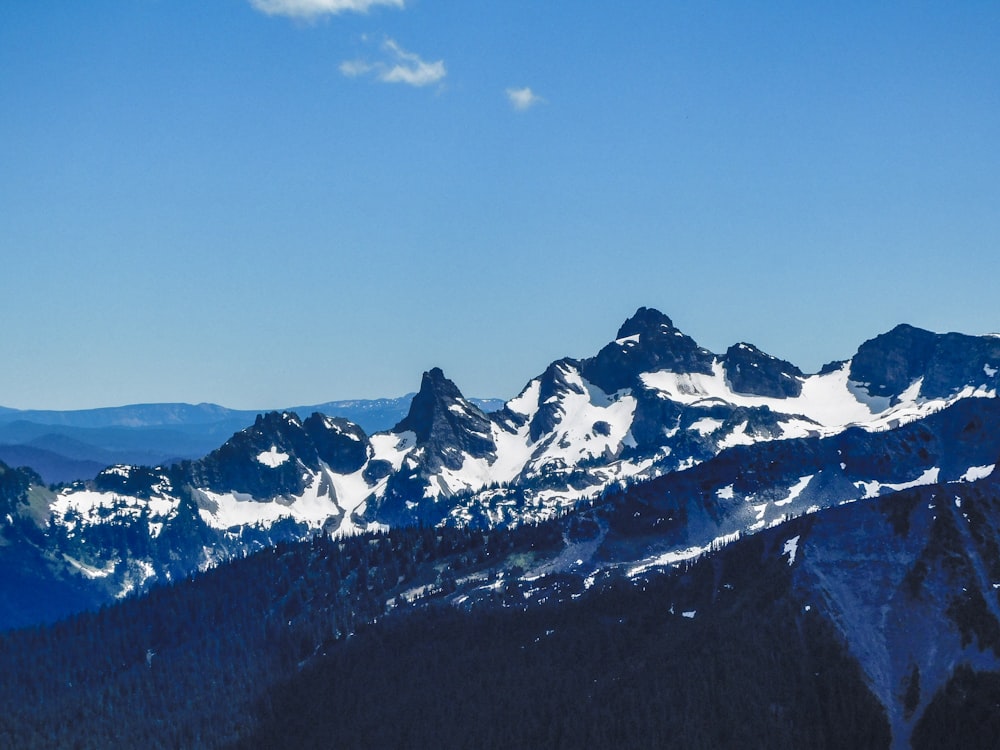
<point x="316" y="8"/>
<point x="354" y="68"/>
<point x="523" y="99"/>
<point x="399" y="66"/>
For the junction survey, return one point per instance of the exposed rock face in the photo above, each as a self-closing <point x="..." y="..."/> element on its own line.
<point x="751" y="371"/>
<point x="268" y="458"/>
<point x="554" y="385"/>
<point x="888" y="364"/>
<point x="651" y="404"/>
<point x="340" y="444"/>
<point x="235" y="465"/>
<point x="646" y="342"/>
<point x="447" y="426"/>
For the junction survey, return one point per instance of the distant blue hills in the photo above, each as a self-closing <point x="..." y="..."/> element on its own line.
<point x="64" y="446"/>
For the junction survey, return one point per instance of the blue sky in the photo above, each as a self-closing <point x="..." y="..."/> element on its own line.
<point x="270" y="202"/>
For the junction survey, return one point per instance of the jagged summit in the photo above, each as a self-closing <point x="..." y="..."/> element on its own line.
<point x="754" y="372"/>
<point x="445" y="422"/>
<point x="267" y="458"/>
<point x="646" y="342"/>
<point x="553" y="386"/>
<point x="645" y="320"/>
<point x="649" y="403"/>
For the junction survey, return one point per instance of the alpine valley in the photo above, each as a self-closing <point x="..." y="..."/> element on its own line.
<point x="656" y="546"/>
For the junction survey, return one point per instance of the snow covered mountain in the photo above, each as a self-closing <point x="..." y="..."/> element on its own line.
<point x="650" y="404"/>
<point x="886" y="607"/>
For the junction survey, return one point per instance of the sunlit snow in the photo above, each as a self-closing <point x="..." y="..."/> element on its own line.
<point x="93" y="507"/>
<point x="825" y="399"/>
<point x="791" y="548"/>
<point x="795" y="490"/>
<point x="977" y="472"/>
<point x="707" y="425"/>
<point x="582" y="406"/>
<point x="680" y="555"/>
<point x="738" y="436"/>
<point x="393" y="447"/>
<point x="89" y="570"/>
<point x="272" y="458"/>
<point x="874" y="488"/>
<point x="829" y="401"/>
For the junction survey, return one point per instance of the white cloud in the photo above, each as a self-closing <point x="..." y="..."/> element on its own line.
<point x="409" y="68"/>
<point x="316" y="8"/>
<point x="522" y="99"/>
<point x="354" y="68"/>
<point x="400" y="66"/>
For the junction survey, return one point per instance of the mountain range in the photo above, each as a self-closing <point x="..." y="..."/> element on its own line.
<point x="862" y="502"/>
<point x="64" y="446"/>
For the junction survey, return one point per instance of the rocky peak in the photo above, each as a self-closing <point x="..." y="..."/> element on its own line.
<point x="890" y="363"/>
<point x="263" y="460"/>
<point x="280" y="430"/>
<point x="339" y="443"/>
<point x="887" y="364"/>
<point x="646" y="342"/>
<point x="554" y="385"/>
<point x="445" y="422"/>
<point x="752" y="371"/>
<point x="645" y="320"/>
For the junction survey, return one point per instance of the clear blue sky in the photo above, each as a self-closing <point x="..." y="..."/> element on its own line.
<point x="264" y="203"/>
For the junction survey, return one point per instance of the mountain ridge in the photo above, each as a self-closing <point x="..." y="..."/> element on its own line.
<point x="815" y="558"/>
<point x="155" y="433"/>
<point x="563" y="440"/>
<point x="305" y="624"/>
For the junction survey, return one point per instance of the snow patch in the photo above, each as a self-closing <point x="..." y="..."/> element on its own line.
<point x="977" y="472"/>
<point x="874" y="488"/>
<point x="92" y="507"/>
<point x="738" y="436"/>
<point x="825" y="399"/>
<point x="582" y="405"/>
<point x="827" y="404"/>
<point x="706" y="425"/>
<point x="459" y="408"/>
<point x="272" y="458"/>
<point x="912" y="392"/>
<point x="795" y="490"/>
<point x="334" y="427"/>
<point x="314" y="507"/>
<point x="393" y="447"/>
<point x="89" y="570"/>
<point x="791" y="548"/>
<point x="680" y="555"/>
